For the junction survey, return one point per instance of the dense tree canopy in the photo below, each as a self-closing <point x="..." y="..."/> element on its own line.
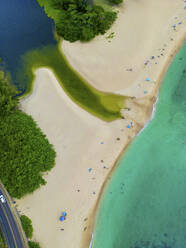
<point x="115" y="1"/>
<point x="27" y="226"/>
<point x="7" y="102"/>
<point x="78" y="20"/>
<point x="25" y="151"/>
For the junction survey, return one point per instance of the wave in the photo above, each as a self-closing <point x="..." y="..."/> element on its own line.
<point x="152" y="116"/>
<point x="90" y="246"/>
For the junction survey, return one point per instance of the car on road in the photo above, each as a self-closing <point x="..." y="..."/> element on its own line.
<point x="2" y="199"/>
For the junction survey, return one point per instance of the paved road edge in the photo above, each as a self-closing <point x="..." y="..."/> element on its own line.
<point x="15" y="214"/>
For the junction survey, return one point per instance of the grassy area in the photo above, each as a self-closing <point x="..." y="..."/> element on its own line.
<point x="103" y="105"/>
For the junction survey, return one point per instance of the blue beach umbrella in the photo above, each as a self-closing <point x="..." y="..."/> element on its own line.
<point x="62" y="218"/>
<point x="147" y="79"/>
<point x="64" y="214"/>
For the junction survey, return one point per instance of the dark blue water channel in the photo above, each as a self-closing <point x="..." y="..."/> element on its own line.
<point x="23" y="26"/>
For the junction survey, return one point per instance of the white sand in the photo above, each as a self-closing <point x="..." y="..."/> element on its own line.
<point x="141" y="30"/>
<point x="77" y="138"/>
<point x="143" y="27"/>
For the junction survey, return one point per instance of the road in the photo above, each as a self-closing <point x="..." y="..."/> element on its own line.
<point x="9" y="226"/>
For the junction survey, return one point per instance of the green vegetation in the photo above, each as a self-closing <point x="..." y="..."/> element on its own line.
<point x="103" y="105"/>
<point x="2" y="241"/>
<point x="115" y="1"/>
<point x="33" y="244"/>
<point x="27" y="226"/>
<point x="104" y="4"/>
<point x="77" y="19"/>
<point x="25" y="151"/>
<point x="110" y="36"/>
<point x="7" y="102"/>
<point x="28" y="229"/>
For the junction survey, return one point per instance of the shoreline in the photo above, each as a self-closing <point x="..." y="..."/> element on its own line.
<point x="83" y="141"/>
<point x="88" y="239"/>
<point x="62" y="115"/>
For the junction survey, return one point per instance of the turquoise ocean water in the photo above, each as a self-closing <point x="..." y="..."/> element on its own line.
<point x="144" y="204"/>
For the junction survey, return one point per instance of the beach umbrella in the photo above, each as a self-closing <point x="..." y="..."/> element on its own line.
<point x="147" y="79"/>
<point x="64" y="214"/>
<point x="62" y="218"/>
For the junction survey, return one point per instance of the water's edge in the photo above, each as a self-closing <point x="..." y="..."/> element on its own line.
<point x="87" y="241"/>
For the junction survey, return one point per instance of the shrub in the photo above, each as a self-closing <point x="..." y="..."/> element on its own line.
<point x="27" y="226"/>
<point x="33" y="244"/>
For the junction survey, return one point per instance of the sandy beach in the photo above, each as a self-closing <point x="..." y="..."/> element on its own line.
<point x="87" y="148"/>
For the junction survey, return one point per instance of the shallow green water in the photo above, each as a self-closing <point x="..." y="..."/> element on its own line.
<point x="144" y="205"/>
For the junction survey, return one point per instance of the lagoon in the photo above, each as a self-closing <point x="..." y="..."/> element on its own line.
<point x="23" y="27"/>
<point x="144" y="204"/>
